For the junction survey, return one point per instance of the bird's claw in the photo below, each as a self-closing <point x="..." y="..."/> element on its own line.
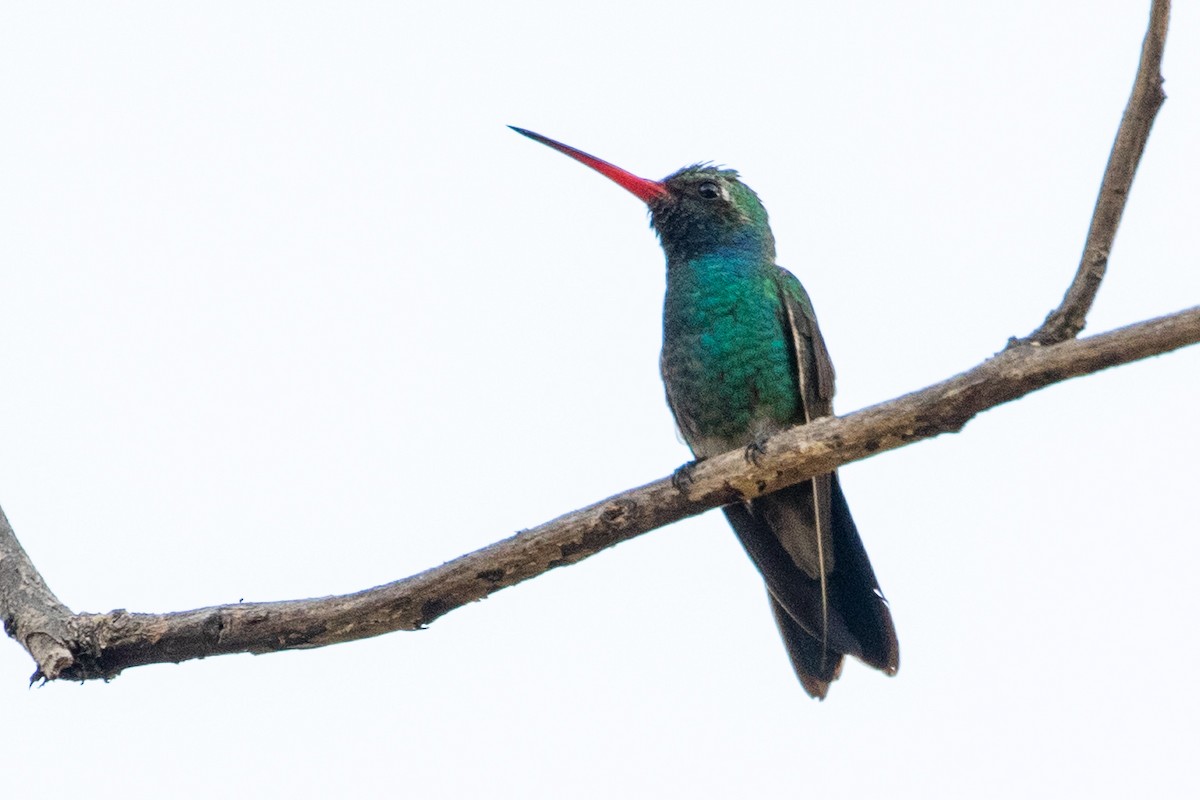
<point x="755" y="450"/>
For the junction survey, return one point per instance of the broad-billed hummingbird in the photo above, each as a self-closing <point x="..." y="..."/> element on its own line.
<point x="743" y="358"/>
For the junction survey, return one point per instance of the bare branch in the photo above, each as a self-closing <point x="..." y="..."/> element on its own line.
<point x="101" y="645"/>
<point x="81" y="646"/>
<point x="1066" y="321"/>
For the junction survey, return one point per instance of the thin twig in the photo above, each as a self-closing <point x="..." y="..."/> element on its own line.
<point x="101" y="645"/>
<point x="1066" y="321"/>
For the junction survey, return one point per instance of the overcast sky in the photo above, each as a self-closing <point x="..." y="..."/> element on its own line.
<point x="287" y="311"/>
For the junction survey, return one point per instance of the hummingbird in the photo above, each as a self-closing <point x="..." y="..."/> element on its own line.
<point x="743" y="358"/>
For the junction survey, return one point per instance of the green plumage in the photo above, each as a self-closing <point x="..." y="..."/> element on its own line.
<point x="725" y="359"/>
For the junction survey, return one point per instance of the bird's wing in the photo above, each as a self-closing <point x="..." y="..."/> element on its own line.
<point x="849" y="593"/>
<point x="800" y="518"/>
<point x="804" y="524"/>
<point x="813" y="365"/>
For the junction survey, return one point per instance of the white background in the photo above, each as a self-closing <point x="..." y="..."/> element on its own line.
<point x="286" y="311"/>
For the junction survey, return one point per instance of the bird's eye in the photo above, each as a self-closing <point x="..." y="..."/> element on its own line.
<point x="709" y="190"/>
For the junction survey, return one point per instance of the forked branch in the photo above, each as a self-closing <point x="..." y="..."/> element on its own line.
<point x="82" y="646"/>
<point x="101" y="645"/>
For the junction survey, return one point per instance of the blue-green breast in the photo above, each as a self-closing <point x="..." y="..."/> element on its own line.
<point x="727" y="361"/>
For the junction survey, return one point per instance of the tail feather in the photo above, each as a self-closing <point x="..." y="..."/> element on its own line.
<point x="820" y="621"/>
<point x="815" y="666"/>
<point x="856" y="592"/>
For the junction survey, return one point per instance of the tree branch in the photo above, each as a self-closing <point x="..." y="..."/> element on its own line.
<point x="83" y="646"/>
<point x="1066" y="321"/>
<point x="101" y="645"/>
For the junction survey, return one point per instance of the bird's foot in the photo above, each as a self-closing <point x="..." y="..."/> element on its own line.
<point x="756" y="450"/>
<point x="682" y="478"/>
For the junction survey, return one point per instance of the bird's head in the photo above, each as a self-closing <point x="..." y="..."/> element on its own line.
<point x="696" y="211"/>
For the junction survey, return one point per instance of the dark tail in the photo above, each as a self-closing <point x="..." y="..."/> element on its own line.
<point x="853" y="619"/>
